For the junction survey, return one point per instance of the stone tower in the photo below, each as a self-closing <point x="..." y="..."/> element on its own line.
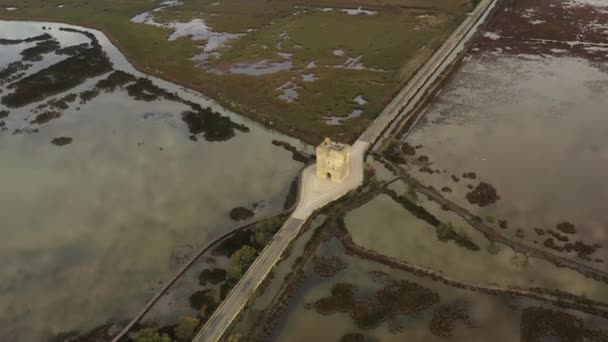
<point x="333" y="160"/>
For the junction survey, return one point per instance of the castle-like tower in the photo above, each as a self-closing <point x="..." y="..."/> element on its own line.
<point x="333" y="160"/>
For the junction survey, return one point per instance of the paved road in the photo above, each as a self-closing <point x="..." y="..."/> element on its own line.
<point x="236" y="300"/>
<point x="404" y="102"/>
<point x="316" y="193"/>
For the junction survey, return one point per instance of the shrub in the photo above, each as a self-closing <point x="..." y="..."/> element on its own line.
<point x="186" y="327"/>
<point x="152" y="335"/>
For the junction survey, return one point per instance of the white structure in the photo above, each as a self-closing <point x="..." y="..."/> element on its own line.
<point x="333" y="160"/>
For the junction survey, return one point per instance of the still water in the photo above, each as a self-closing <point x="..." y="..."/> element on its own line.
<point x="534" y="128"/>
<point x="90" y="229"/>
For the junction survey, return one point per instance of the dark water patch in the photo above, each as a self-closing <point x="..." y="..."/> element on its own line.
<point x="73" y="50"/>
<point x="116" y="79"/>
<point x="44" y="36"/>
<point x="444" y="319"/>
<point x="542" y="324"/>
<point x="240" y="213"/>
<point x="296" y="155"/>
<point x="35" y="53"/>
<point x="395" y="298"/>
<point x="13" y="71"/>
<point x="212" y="276"/>
<point x="46" y="117"/>
<point x="4" y="114"/>
<point x="483" y="194"/>
<point x="58" y="78"/>
<point x="328" y="266"/>
<point x="61" y="141"/>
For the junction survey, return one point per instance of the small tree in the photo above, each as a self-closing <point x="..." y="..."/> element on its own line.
<point x="186" y="327"/>
<point x="264" y="233"/>
<point x="240" y="262"/>
<point x="152" y="335"/>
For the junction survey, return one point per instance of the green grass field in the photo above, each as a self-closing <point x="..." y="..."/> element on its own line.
<point x="391" y="45"/>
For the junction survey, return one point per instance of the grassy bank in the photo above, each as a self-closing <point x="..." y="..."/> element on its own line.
<point x="388" y="48"/>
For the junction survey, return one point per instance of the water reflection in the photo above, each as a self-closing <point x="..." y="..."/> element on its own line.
<point x="384" y="226"/>
<point x="534" y="129"/>
<point x="89" y="229"/>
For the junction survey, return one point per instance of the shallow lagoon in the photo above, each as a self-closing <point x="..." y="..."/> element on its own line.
<point x="489" y="317"/>
<point x="533" y="128"/>
<point x="92" y="228"/>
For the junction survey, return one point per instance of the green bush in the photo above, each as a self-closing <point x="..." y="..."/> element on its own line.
<point x="240" y="262"/>
<point x="152" y="335"/>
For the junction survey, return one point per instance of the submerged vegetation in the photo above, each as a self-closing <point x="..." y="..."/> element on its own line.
<point x="42" y="37"/>
<point x="445" y="230"/>
<point x="395" y="298"/>
<point x="61" y="141"/>
<point x="542" y="324"/>
<point x="35" y="53"/>
<point x="58" y="77"/>
<point x="444" y="319"/>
